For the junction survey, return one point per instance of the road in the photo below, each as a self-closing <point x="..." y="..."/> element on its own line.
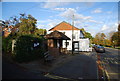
<point x="79" y="67"/>
<point x="13" y="71"/>
<point x="110" y="62"/>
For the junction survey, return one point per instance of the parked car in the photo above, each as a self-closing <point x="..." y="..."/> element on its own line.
<point x="94" y="46"/>
<point x="100" y="49"/>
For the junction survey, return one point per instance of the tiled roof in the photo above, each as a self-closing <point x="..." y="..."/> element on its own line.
<point x="57" y="35"/>
<point x="63" y="26"/>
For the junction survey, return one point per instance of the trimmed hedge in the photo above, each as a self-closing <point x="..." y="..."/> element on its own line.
<point x="25" y="51"/>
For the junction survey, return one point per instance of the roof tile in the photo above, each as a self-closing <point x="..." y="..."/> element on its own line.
<point x="63" y="26"/>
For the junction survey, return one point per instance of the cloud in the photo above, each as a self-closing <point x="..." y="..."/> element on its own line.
<point x="104" y="28"/>
<point x="98" y="10"/>
<point x="110" y="28"/>
<point x="77" y="8"/>
<point x="59" y="9"/>
<point x="97" y="22"/>
<point x="51" y="4"/>
<point x="70" y="12"/>
<point x="47" y="24"/>
<point x="41" y="26"/>
<point x="54" y="3"/>
<point x="44" y="21"/>
<point x="109" y="12"/>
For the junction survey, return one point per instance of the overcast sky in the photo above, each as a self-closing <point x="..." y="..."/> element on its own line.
<point x="94" y="17"/>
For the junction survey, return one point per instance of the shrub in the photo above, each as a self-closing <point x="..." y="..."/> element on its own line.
<point x="7" y="44"/>
<point x="25" y="51"/>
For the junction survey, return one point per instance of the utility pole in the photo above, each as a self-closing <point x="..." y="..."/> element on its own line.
<point x="72" y="32"/>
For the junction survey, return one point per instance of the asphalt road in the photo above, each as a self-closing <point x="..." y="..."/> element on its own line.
<point x="13" y="71"/>
<point x="111" y="63"/>
<point x="79" y="67"/>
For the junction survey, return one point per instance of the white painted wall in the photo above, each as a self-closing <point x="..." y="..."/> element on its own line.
<point x="84" y="44"/>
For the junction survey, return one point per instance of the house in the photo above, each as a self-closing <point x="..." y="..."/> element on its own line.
<point x="8" y="30"/>
<point x="80" y="43"/>
<point x="55" y="42"/>
<point x="5" y="32"/>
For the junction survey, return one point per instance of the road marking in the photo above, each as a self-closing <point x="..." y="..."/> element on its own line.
<point x="107" y="75"/>
<point x="55" y="77"/>
<point x="114" y="73"/>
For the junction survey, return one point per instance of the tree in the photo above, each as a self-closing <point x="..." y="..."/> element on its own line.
<point x="100" y="39"/>
<point x="110" y="34"/>
<point x="115" y="38"/>
<point x="27" y="25"/>
<point x="103" y="36"/>
<point x="96" y="40"/>
<point x="40" y="31"/>
<point x="119" y="35"/>
<point x="107" y="42"/>
<point x="119" y="27"/>
<point x="87" y="35"/>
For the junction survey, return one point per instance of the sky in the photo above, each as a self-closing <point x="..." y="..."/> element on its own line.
<point x="94" y="17"/>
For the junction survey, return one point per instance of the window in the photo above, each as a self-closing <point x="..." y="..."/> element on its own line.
<point x="66" y="43"/>
<point x="81" y="35"/>
<point x="73" y="36"/>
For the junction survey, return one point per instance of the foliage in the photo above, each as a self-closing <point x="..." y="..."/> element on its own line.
<point x="87" y="34"/>
<point x="25" y="37"/>
<point x="25" y="50"/>
<point x="119" y="27"/>
<point x="119" y="35"/>
<point x="100" y="39"/>
<point x="7" y="44"/>
<point x="40" y="31"/>
<point x="108" y="42"/>
<point x="115" y="38"/>
<point x="27" y="25"/>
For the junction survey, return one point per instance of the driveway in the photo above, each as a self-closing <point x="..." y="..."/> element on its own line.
<point x="79" y="67"/>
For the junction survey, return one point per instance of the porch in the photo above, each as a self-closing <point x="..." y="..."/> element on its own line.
<point x="54" y="42"/>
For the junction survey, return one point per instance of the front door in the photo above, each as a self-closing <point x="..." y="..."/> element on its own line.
<point x="76" y="46"/>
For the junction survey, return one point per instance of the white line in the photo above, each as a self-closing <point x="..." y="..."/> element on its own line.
<point x="114" y="73"/>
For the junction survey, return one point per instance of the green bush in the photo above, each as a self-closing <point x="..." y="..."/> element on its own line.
<point x="25" y="51"/>
<point x="7" y="44"/>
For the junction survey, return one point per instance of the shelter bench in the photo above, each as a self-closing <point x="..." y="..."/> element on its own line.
<point x="48" y="57"/>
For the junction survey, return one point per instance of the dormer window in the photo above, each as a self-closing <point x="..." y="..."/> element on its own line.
<point x="81" y="35"/>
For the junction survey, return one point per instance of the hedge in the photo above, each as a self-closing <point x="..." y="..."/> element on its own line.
<point x="25" y="51"/>
<point x="7" y="44"/>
